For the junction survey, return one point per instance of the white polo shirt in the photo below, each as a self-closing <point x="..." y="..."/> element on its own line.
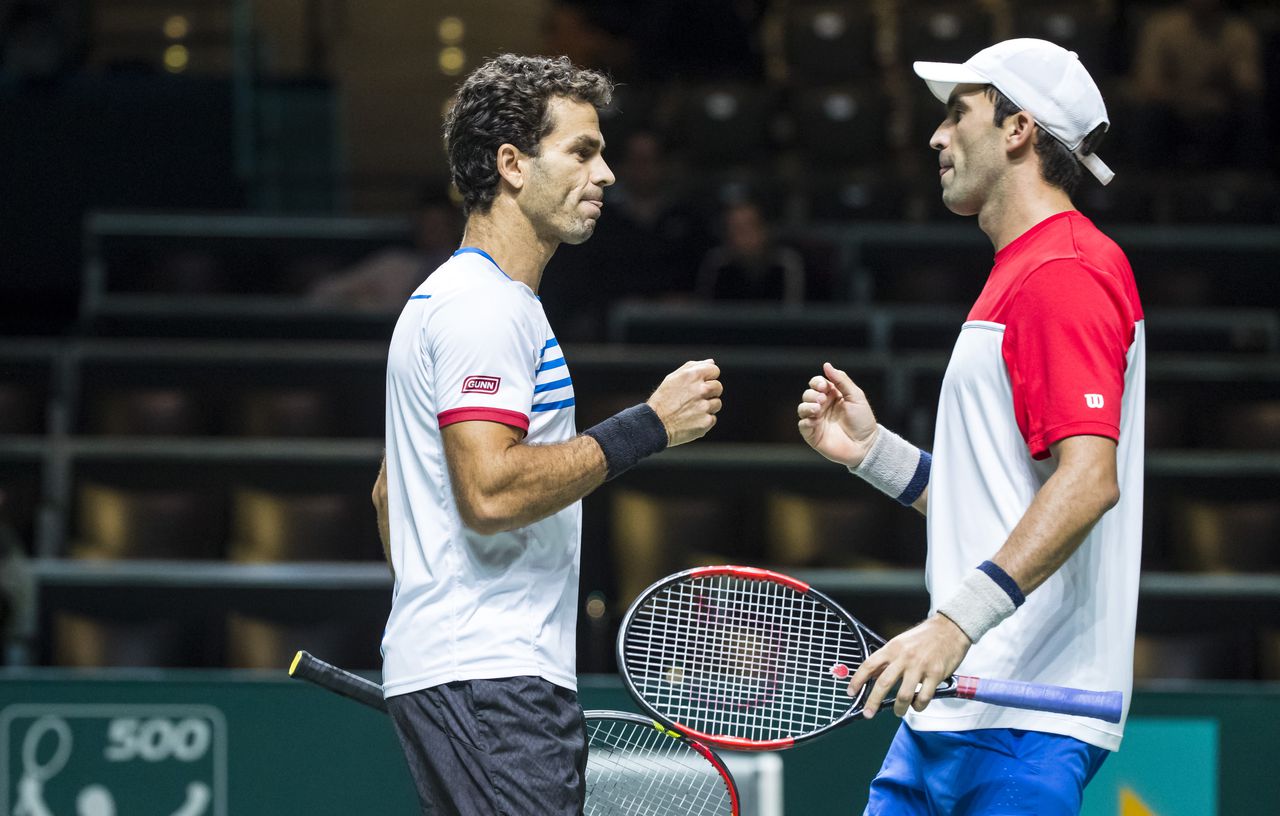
<point x="1054" y="347"/>
<point x="474" y="345"/>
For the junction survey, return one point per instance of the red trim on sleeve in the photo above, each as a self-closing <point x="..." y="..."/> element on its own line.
<point x="500" y="415"/>
<point x="1050" y="437"/>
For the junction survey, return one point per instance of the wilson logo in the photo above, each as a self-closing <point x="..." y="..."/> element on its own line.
<point x="1093" y="400"/>
<point x="481" y="385"/>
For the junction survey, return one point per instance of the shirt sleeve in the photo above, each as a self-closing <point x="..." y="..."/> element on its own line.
<point x="1066" y="341"/>
<point x="483" y="351"/>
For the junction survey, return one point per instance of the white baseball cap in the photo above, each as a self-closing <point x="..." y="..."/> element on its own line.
<point x="1040" y="77"/>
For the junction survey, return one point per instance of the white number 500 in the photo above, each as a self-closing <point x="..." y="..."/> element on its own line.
<point x="157" y="739"/>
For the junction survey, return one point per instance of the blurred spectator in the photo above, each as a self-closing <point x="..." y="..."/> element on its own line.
<point x="597" y="34"/>
<point x="651" y="228"/>
<point x="384" y="280"/>
<point x="660" y="39"/>
<point x="1199" y="85"/>
<point x="650" y="238"/>
<point x="750" y="264"/>
<point x="709" y="39"/>
<point x="36" y="44"/>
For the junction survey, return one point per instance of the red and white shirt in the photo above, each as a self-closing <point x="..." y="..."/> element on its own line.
<point x="1054" y="347"/>
<point x="474" y="345"/>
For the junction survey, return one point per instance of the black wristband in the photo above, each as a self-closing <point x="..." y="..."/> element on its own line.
<point x="627" y="437"/>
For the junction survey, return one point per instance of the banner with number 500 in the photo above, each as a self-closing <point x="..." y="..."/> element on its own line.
<point x="109" y="760"/>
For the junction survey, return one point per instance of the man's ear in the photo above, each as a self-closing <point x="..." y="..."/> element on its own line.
<point x="511" y="165"/>
<point x="1019" y="132"/>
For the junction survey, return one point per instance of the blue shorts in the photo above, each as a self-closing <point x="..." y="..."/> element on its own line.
<point x="991" y="771"/>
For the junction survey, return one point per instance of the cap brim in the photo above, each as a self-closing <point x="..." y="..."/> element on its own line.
<point x="943" y="77"/>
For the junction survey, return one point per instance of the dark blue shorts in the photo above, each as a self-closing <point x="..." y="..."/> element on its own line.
<point x="990" y="771"/>
<point x="515" y="746"/>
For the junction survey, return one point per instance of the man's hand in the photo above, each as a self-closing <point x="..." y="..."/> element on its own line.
<point x="836" y="419"/>
<point x="688" y="400"/>
<point x="921" y="657"/>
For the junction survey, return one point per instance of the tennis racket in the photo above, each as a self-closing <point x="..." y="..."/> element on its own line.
<point x="635" y="767"/>
<point x="752" y="660"/>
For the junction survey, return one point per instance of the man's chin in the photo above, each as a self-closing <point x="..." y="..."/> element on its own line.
<point x="959" y="207"/>
<point x="579" y="235"/>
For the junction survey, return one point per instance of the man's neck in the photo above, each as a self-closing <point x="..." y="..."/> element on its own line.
<point x="508" y="237"/>
<point x="1017" y="208"/>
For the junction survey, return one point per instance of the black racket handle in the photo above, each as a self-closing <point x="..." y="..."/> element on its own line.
<point x="307" y="667"/>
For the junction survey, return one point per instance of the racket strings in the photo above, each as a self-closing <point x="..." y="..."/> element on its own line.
<point x="744" y="658"/>
<point x="636" y="769"/>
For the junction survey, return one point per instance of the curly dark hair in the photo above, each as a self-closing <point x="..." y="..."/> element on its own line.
<point x="1058" y="165"/>
<point x="506" y="101"/>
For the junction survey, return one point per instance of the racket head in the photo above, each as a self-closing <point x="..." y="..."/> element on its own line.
<point x="636" y="767"/>
<point x="742" y="658"/>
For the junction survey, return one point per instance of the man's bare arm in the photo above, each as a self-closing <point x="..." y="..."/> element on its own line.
<point x="380" y="507"/>
<point x="1064" y="510"/>
<point x="1066" y="507"/>
<point x="500" y="483"/>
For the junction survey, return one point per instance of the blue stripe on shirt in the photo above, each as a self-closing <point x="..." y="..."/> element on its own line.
<point x="551" y="406"/>
<point x="550" y="364"/>
<point x="551" y="386"/>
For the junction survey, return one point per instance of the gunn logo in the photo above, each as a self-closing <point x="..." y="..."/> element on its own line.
<point x="1093" y="400"/>
<point x="481" y="385"/>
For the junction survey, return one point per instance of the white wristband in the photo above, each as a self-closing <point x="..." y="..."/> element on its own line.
<point x="896" y="467"/>
<point x="979" y="605"/>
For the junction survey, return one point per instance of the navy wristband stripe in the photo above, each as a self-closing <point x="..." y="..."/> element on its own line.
<point x="1004" y="581"/>
<point x="919" y="480"/>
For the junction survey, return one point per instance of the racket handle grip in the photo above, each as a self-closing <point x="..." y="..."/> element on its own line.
<point x="1103" y="705"/>
<point x="352" y="686"/>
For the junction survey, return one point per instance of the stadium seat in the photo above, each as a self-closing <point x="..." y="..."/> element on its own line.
<point x="1166" y="423"/>
<point x="831" y="42"/>
<point x="270" y="643"/>
<point x="122" y="522"/>
<point x="1076" y="26"/>
<point x="148" y="412"/>
<point x="859" y="196"/>
<point x="1200" y="656"/>
<point x="843" y="123"/>
<point x="287" y="412"/>
<point x="808" y="531"/>
<point x="721" y="125"/>
<point x="21" y="409"/>
<point x="1226" y="536"/>
<point x="1130" y="200"/>
<point x="943" y="32"/>
<point x="88" y="641"/>
<point x="632" y="108"/>
<point x="654" y="535"/>
<point x="271" y="526"/>
<point x="1248" y="425"/>
<point x="1226" y="198"/>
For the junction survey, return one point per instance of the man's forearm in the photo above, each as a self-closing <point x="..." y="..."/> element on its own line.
<point x="1063" y="511"/>
<point x="1061" y="515"/>
<point x="526" y="483"/>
